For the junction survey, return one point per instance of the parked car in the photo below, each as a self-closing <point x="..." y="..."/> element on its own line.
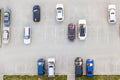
<point x="60" y="12"/>
<point x="78" y="67"/>
<point x="41" y="66"/>
<point x="71" y="31"/>
<point x="27" y="35"/>
<point x="82" y="29"/>
<point x="36" y="13"/>
<point x="6" y="17"/>
<point x="89" y="67"/>
<point x="6" y="37"/>
<point x="111" y="13"/>
<point x="51" y="67"/>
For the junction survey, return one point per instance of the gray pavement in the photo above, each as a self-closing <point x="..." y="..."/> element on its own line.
<point x="49" y="38"/>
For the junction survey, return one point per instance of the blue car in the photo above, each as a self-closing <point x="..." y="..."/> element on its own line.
<point x="36" y="13"/>
<point x="6" y="16"/>
<point x="89" y="67"/>
<point x="41" y="66"/>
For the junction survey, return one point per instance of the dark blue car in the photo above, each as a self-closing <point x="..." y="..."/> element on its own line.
<point x="89" y="67"/>
<point x="78" y="67"/>
<point x="36" y="13"/>
<point x="41" y="66"/>
<point x="71" y="32"/>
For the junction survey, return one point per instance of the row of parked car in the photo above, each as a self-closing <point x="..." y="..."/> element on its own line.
<point x="78" y="67"/>
<point x="82" y="28"/>
<point x="27" y="30"/>
<point x="50" y="67"/>
<point x="6" y="28"/>
<point x="60" y="13"/>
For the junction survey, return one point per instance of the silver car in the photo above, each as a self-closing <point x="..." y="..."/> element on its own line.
<point x="6" y="16"/>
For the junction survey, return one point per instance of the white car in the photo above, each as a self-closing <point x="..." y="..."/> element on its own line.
<point x="27" y="35"/>
<point x="51" y="67"/>
<point x="82" y="29"/>
<point x="111" y="13"/>
<point x="60" y="12"/>
<point x="6" y="36"/>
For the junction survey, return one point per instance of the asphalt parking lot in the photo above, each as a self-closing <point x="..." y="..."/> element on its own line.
<point x="49" y="38"/>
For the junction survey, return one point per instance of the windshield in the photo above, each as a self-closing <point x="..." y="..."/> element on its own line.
<point x="26" y="37"/>
<point x="112" y="13"/>
<point x="5" y="38"/>
<point x="6" y="15"/>
<point x="6" y="21"/>
<point x="40" y="63"/>
<point x="50" y="66"/>
<point x="59" y="8"/>
<point x="89" y="72"/>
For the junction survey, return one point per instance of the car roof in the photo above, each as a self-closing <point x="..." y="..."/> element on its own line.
<point x="90" y="68"/>
<point x="27" y="30"/>
<point x="5" y="34"/>
<point x="40" y="69"/>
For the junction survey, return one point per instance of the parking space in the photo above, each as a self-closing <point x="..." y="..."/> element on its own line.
<point x="49" y="38"/>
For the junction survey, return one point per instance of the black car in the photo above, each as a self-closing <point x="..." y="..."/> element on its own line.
<point x="78" y="67"/>
<point x="71" y="31"/>
<point x="36" y="13"/>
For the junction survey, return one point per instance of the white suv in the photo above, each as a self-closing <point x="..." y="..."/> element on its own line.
<point x="27" y="35"/>
<point x="51" y="67"/>
<point x="111" y="13"/>
<point x="60" y="12"/>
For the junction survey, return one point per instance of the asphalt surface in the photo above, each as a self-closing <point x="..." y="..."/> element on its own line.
<point x="49" y="38"/>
